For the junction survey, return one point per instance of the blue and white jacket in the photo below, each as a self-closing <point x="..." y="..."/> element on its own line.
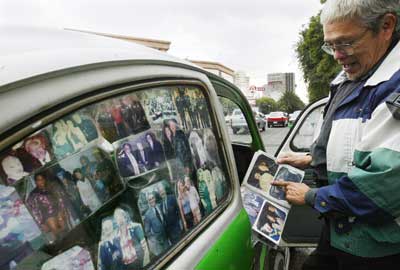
<point x="363" y="162"/>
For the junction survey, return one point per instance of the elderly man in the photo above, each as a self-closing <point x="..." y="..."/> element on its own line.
<point x="358" y="149"/>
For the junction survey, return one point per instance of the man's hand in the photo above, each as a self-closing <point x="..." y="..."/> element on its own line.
<point x="295" y="192"/>
<point x="298" y="161"/>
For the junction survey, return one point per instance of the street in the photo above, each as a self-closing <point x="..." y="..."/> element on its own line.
<point x="272" y="137"/>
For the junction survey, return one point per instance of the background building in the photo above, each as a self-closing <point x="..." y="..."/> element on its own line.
<point x="278" y="83"/>
<point x="242" y="81"/>
<point x="216" y="68"/>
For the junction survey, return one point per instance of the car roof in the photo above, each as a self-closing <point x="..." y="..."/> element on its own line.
<point x="28" y="51"/>
<point x="41" y="68"/>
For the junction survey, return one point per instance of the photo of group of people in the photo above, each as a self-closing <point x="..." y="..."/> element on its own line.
<point x="270" y="222"/>
<point x="75" y="258"/>
<point x="158" y="106"/>
<point x="123" y="244"/>
<point x="62" y="195"/>
<point x="192" y="108"/>
<point x="19" y="234"/>
<point x="139" y="154"/>
<point x="119" y="117"/>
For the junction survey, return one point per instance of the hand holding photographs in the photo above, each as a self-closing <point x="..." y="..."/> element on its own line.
<point x="257" y="183"/>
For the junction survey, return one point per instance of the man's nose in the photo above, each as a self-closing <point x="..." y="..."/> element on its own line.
<point x="339" y="55"/>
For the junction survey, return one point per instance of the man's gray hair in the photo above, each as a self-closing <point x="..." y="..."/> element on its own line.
<point x="369" y="12"/>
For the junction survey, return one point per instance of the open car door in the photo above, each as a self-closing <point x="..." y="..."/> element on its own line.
<point x="303" y="225"/>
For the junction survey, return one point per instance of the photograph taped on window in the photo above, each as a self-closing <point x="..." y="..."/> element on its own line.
<point x="122" y="244"/>
<point x="161" y="216"/>
<point x="119" y="117"/>
<point x="26" y="157"/>
<point x="139" y="154"/>
<point x="74" y="258"/>
<point x="19" y="234"/>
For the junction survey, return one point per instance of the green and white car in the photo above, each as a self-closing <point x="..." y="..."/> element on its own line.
<point x="117" y="156"/>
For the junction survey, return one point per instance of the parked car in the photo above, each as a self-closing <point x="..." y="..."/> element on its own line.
<point x="277" y="119"/>
<point x="238" y="121"/>
<point x="261" y="123"/>
<point x="293" y="116"/>
<point x="68" y="120"/>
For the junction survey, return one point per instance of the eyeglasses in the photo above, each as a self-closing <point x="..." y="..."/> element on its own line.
<point x="345" y="48"/>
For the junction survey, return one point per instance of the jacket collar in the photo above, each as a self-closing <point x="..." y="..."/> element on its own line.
<point x="389" y="66"/>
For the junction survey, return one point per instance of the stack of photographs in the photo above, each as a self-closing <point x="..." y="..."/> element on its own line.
<point x="266" y="204"/>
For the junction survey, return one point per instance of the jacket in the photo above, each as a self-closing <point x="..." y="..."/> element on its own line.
<point x="363" y="162"/>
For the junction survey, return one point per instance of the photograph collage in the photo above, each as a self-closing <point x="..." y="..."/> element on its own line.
<point x="157" y="145"/>
<point x="265" y="204"/>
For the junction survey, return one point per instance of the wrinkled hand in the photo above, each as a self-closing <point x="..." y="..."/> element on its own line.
<point x="298" y="161"/>
<point x="295" y="192"/>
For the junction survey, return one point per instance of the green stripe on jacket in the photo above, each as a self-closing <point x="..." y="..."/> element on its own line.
<point x="377" y="175"/>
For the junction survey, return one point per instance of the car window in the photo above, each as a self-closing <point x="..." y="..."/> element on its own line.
<point x="236" y="122"/>
<point x="308" y="131"/>
<point x="276" y="114"/>
<point x="114" y="185"/>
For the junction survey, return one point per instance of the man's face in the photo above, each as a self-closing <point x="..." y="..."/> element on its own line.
<point x="368" y="46"/>
<point x="151" y="200"/>
<point x="162" y="193"/>
<point x="140" y="146"/>
<point x="172" y="126"/>
<point x="127" y="149"/>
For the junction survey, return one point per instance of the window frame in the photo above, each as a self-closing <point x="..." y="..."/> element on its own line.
<point x="41" y="120"/>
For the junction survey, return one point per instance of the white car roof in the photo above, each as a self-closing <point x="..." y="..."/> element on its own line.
<point x="41" y="68"/>
<point x="27" y="51"/>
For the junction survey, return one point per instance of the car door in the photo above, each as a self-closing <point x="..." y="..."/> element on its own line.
<point x="303" y="225"/>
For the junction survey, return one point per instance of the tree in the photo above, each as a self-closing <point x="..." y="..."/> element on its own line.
<point x="266" y="105"/>
<point x="318" y="68"/>
<point x="290" y="102"/>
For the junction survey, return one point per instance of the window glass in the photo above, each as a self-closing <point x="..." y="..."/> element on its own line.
<point x="238" y="129"/>
<point x="308" y="131"/>
<point x="114" y="185"/>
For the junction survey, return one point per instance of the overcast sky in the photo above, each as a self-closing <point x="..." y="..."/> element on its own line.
<point x="256" y="36"/>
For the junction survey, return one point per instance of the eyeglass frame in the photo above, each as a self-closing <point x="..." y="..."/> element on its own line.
<point x="344" y="47"/>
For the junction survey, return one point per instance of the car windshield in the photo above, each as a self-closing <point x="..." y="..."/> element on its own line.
<point x="276" y="114"/>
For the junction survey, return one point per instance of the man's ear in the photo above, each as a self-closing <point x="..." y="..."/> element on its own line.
<point x="389" y="22"/>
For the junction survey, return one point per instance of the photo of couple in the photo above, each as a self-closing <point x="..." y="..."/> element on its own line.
<point x="123" y="244"/>
<point x="161" y="216"/>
